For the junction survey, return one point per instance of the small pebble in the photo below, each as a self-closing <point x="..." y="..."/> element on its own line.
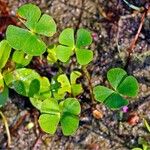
<point x="133" y="119"/>
<point x="144" y="88"/>
<point x="97" y="114"/>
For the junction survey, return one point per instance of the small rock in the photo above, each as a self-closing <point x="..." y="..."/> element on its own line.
<point x="133" y="119"/>
<point x="93" y="146"/>
<point x="144" y="88"/>
<point x="97" y="114"/>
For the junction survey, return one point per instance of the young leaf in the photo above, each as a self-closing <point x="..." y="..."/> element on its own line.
<point x="63" y="53"/>
<point x="45" y="88"/>
<point x="115" y="76"/>
<point x="76" y="89"/>
<point x="5" y="50"/>
<point x="84" y="38"/>
<point x="45" y="26"/>
<point x="4" y="96"/>
<point x="1" y="83"/>
<point x="49" y="122"/>
<point x="70" y="121"/>
<point x="69" y="124"/>
<point x="74" y="76"/>
<point x="24" y="59"/>
<point x="67" y="37"/>
<point x="84" y="56"/>
<point x="71" y="105"/>
<point x="65" y="84"/>
<point x="115" y="101"/>
<point x="36" y="102"/>
<point x="21" y="39"/>
<point x="128" y="87"/>
<point x="51" y="57"/>
<point x="50" y="116"/>
<point x="29" y="14"/>
<point x="102" y="93"/>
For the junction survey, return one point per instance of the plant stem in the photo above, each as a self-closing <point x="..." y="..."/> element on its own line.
<point x="133" y="43"/>
<point x="87" y="75"/>
<point x="7" y="128"/>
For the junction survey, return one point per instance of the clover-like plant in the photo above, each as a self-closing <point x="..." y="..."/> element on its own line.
<point x="5" y="50"/>
<point x="122" y="84"/>
<point x="24" y="81"/>
<point x="68" y="46"/>
<point x="69" y="86"/>
<point x="54" y="98"/>
<point x="66" y="112"/>
<point x="142" y="140"/>
<point x="28" y="40"/>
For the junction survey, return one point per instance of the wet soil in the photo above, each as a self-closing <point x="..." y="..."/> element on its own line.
<point x="114" y="25"/>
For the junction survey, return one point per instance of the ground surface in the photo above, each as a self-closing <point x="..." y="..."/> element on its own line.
<point x="114" y="25"/>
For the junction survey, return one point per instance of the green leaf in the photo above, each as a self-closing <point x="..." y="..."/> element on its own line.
<point x="24" y="59"/>
<point x="128" y="87"/>
<point x="84" y="56"/>
<point x="49" y="122"/>
<point x="67" y="37"/>
<point x="5" y="50"/>
<point x="65" y="84"/>
<point x="63" y="53"/>
<point x="1" y="83"/>
<point x="46" y="26"/>
<point x="71" y="106"/>
<point x="115" y="101"/>
<point x="55" y="85"/>
<point x="50" y="106"/>
<point x="51" y="57"/>
<point x="21" y="39"/>
<point x="34" y="87"/>
<point x="69" y="121"/>
<point x="101" y="93"/>
<point x="147" y="125"/>
<point x="115" y="76"/>
<point x="50" y="115"/>
<point x="137" y="148"/>
<point x="22" y="75"/>
<point x="44" y="93"/>
<point x="29" y="15"/>
<point x="76" y="89"/>
<point x="45" y="88"/>
<point x="4" y="96"/>
<point x="36" y="102"/>
<point x="19" y="87"/>
<point x="74" y="76"/>
<point x="84" y="38"/>
<point x="69" y="124"/>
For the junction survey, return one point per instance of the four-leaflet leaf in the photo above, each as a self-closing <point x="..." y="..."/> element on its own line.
<point x="69" y="46"/>
<point x="122" y="84"/>
<point x="66" y="112"/>
<point x="29" y="41"/>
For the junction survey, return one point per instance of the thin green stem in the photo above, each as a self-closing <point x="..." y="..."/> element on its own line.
<point x="6" y="127"/>
<point x="88" y="77"/>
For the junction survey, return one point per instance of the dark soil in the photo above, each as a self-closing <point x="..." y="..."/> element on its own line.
<point x="114" y="25"/>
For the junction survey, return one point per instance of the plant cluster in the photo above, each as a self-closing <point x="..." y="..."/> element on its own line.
<point x="55" y="98"/>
